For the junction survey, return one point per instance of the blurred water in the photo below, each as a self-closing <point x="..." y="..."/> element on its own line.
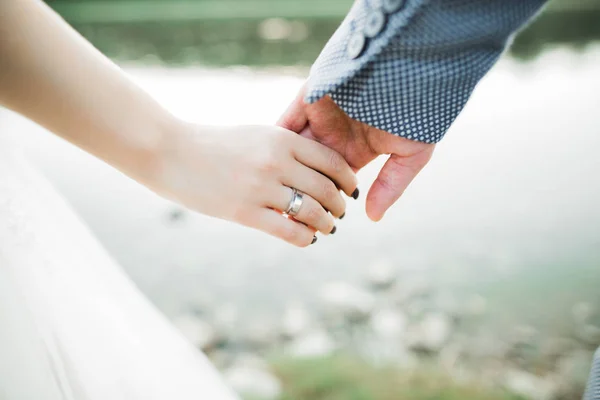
<point x="271" y="32"/>
<point x="507" y="208"/>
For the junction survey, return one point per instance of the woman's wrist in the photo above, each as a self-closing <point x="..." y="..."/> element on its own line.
<point x="177" y="144"/>
<point x="148" y="149"/>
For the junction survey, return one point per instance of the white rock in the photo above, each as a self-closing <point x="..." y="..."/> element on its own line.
<point x="226" y="321"/>
<point x="416" y="309"/>
<point x="432" y="332"/>
<point x="448" y="304"/>
<point x="296" y="320"/>
<point x="450" y="356"/>
<point x="385" y="352"/>
<point x="253" y="382"/>
<point x="317" y="343"/>
<point x="575" y="367"/>
<point x="590" y="334"/>
<point x="582" y="312"/>
<point x="197" y="331"/>
<point x="413" y="289"/>
<point x="530" y="386"/>
<point x="554" y="348"/>
<point x="389" y="324"/>
<point x="523" y="334"/>
<point x="490" y="372"/>
<point x="341" y="299"/>
<point x="381" y="275"/>
<point x="464" y="376"/>
<point x="476" y="306"/>
<point x="221" y="358"/>
<point x="250" y="360"/>
<point x="436" y="330"/>
<point x="261" y="333"/>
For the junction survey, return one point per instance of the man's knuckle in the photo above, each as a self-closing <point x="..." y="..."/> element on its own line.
<point x="389" y="179"/>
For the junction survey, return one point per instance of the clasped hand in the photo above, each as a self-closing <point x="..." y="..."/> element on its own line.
<point x="246" y="174"/>
<point x="359" y="144"/>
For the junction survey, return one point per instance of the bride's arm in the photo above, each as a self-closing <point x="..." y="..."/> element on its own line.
<point x="52" y="75"/>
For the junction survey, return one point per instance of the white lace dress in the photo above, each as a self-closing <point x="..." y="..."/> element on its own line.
<point x="72" y="325"/>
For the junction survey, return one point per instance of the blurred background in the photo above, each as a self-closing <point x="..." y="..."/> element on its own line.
<point x="481" y="283"/>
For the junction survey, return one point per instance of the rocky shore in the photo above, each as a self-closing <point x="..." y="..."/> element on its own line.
<point x="404" y="323"/>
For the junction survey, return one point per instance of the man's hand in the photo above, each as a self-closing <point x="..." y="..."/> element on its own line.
<point x="360" y="144"/>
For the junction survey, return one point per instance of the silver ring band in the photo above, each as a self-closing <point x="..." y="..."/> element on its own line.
<point x="295" y="203"/>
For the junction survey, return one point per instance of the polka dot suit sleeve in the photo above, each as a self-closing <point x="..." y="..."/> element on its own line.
<point x="409" y="66"/>
<point x="593" y="387"/>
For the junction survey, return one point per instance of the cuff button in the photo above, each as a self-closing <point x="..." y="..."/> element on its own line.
<point x="356" y="45"/>
<point x="391" y="6"/>
<point x="374" y="24"/>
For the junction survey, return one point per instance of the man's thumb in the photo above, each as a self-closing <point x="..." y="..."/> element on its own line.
<point x="393" y="179"/>
<point x="295" y="118"/>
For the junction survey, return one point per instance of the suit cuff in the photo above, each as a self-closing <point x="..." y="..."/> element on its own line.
<point x="415" y="75"/>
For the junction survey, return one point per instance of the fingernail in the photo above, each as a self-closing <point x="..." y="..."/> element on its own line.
<point x="333" y="230"/>
<point x="355" y="194"/>
<point x="314" y="240"/>
<point x="342" y="216"/>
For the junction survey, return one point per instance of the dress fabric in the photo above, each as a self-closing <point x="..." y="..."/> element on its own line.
<point x="72" y="324"/>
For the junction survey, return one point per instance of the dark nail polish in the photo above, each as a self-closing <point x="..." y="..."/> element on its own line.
<point x="314" y="240"/>
<point x="333" y="230"/>
<point x="342" y="216"/>
<point x="355" y="194"/>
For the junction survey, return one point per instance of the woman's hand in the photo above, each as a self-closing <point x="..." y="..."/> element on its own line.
<point x="245" y="174"/>
<point x="359" y="143"/>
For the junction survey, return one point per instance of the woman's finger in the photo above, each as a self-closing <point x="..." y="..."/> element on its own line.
<point x="311" y="212"/>
<point x="319" y="187"/>
<point x="275" y="224"/>
<point x="326" y="161"/>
